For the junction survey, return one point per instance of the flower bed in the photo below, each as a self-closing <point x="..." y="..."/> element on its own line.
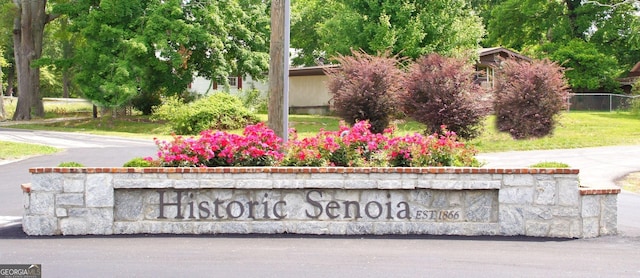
<point x="348" y="147"/>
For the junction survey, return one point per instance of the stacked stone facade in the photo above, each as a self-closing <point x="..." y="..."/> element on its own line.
<point x="331" y="200"/>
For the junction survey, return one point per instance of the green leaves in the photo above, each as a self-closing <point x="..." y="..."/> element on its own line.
<point x="409" y="28"/>
<point x="587" y="67"/>
<point x="150" y="46"/>
<point x="593" y="41"/>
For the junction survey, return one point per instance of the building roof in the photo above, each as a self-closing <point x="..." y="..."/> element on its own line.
<point x="501" y="50"/>
<point x="308" y="71"/>
<point x="487" y="53"/>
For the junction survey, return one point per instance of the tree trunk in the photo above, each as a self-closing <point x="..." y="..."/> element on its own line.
<point x="27" y="40"/>
<point x="572" y="5"/>
<point x="2" y="113"/>
<point x="67" y="52"/>
<point x="66" y="83"/>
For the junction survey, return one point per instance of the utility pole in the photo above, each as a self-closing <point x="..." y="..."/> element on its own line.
<point x="278" y="118"/>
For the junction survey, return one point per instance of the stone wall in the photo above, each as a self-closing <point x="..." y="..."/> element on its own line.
<point x="332" y="200"/>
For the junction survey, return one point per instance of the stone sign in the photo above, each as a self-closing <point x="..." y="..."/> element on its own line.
<point x="427" y="205"/>
<point x="323" y="200"/>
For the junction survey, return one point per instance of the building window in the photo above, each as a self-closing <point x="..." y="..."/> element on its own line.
<point x="233" y="81"/>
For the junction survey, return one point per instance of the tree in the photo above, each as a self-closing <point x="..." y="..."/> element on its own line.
<point x="58" y="54"/>
<point x="6" y="7"/>
<point x="307" y="16"/>
<point x="29" y="22"/>
<point x="612" y="5"/>
<point x="586" y="67"/>
<point x="142" y="47"/>
<point x="408" y="28"/>
<point x="607" y="30"/>
<point x="108" y="56"/>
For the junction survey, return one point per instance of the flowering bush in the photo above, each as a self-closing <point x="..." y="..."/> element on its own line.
<point x="258" y="146"/>
<point x="353" y="146"/>
<point x="303" y="152"/>
<point x="348" y="147"/>
<point x="434" y="150"/>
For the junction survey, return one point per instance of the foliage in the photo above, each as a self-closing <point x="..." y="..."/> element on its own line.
<point x="50" y="86"/>
<point x="441" y="91"/>
<point x="154" y="47"/>
<point x="407" y="28"/>
<point x="258" y="146"/>
<point x="217" y="111"/>
<point x="254" y="100"/>
<point x="139" y="162"/>
<point x="550" y="164"/>
<point x="528" y="97"/>
<point x="579" y="31"/>
<point x="110" y="78"/>
<point x="348" y="147"/>
<point x="438" y="149"/>
<point x="307" y="16"/>
<point x="57" y="57"/>
<point x="146" y="101"/>
<point x="586" y="67"/>
<point x="70" y="164"/>
<point x="366" y="88"/>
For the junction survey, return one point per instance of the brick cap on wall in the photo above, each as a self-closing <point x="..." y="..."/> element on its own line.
<point x="294" y="170"/>
<point x="599" y="191"/>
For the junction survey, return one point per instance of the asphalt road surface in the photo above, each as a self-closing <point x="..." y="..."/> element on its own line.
<point x="316" y="256"/>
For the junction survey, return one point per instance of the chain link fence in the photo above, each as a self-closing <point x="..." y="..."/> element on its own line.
<point x="600" y="101"/>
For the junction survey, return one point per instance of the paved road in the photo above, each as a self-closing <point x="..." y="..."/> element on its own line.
<point x="89" y="150"/>
<point x="311" y="256"/>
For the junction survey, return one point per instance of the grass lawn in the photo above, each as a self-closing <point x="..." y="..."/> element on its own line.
<point x="575" y="130"/>
<point x="12" y="150"/>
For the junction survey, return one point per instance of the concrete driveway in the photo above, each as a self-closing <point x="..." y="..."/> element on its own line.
<point x="315" y="256"/>
<point x="600" y="166"/>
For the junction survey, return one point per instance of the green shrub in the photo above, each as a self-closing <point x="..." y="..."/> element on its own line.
<point x="217" y="111"/>
<point x="254" y="100"/>
<point x="441" y="91"/>
<point x="528" y="96"/>
<point x="138" y="162"/>
<point x="366" y="88"/>
<point x="70" y="164"/>
<point x="550" y="164"/>
<point x="145" y="102"/>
